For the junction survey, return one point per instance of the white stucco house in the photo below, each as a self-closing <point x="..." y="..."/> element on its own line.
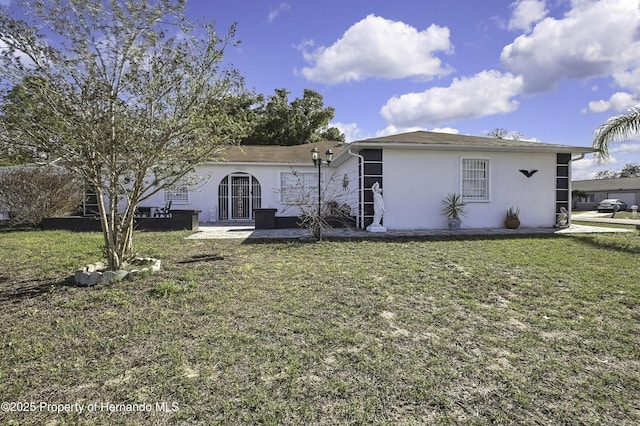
<point x="415" y="170"/>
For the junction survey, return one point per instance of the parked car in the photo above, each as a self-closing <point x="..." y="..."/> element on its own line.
<point x="610" y="205"/>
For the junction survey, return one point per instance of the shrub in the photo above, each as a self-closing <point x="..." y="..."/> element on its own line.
<point x="32" y="193"/>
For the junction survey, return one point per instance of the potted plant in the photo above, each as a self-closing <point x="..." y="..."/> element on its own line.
<point x="512" y="221"/>
<point x="453" y="208"/>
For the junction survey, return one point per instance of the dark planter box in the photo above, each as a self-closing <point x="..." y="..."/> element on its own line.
<point x="179" y="220"/>
<point x="265" y="218"/>
<point x="186" y="219"/>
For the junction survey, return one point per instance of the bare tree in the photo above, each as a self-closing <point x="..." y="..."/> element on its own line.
<point x="500" y="133"/>
<point x="127" y="95"/>
<point x="32" y="193"/>
<point x="607" y="174"/>
<point x="319" y="213"/>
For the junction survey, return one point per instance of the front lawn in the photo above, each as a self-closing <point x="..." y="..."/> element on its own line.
<point x="539" y="330"/>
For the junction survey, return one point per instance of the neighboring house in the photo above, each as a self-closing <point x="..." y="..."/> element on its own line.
<point x="591" y="192"/>
<point x="415" y="171"/>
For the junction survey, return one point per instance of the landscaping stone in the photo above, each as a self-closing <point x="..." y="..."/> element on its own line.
<point x="109" y="276"/>
<point x="97" y="273"/>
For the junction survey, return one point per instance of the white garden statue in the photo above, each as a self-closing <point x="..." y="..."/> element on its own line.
<point x="378" y="209"/>
<point x="563" y="218"/>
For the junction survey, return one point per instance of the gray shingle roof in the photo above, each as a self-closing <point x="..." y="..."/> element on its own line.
<point x="301" y="154"/>
<point x="617" y="184"/>
<point x="453" y="141"/>
<point x="296" y="154"/>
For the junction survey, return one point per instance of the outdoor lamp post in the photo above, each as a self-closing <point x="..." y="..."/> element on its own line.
<point x="317" y="162"/>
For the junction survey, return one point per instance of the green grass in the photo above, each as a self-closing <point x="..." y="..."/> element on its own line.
<point x="626" y="215"/>
<point x="530" y="330"/>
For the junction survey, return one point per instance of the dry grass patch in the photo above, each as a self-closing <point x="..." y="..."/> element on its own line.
<point x="480" y="331"/>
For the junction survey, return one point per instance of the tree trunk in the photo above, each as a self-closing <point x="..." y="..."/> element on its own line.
<point x="114" y="261"/>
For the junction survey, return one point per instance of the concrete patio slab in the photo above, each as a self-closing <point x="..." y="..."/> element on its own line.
<point x="209" y="231"/>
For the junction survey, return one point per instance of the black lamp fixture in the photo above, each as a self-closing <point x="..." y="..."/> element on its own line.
<point x="315" y="156"/>
<point x="318" y="162"/>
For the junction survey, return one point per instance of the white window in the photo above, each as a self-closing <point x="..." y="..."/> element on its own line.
<point x="179" y="194"/>
<point x="475" y="179"/>
<point x="298" y="186"/>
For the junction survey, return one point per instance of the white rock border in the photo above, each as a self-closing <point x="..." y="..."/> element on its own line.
<point x="97" y="273"/>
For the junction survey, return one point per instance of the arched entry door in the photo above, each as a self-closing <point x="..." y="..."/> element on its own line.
<point x="238" y="195"/>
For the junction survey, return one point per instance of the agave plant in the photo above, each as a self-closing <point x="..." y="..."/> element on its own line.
<point x="512" y="220"/>
<point x="453" y="207"/>
<point x="513" y="213"/>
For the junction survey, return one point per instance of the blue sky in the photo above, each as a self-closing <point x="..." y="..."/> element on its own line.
<point x="551" y="70"/>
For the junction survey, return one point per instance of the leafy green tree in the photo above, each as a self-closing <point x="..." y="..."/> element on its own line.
<point x="616" y="128"/>
<point x="332" y="134"/>
<point x="607" y="174"/>
<point x="127" y="95"/>
<point x="10" y="157"/>
<point x="278" y="122"/>
<point x="630" y="170"/>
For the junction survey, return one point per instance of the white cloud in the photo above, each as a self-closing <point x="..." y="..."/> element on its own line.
<point x="274" y="13"/>
<point x="584" y="169"/>
<point x="619" y="101"/>
<point x="450" y="130"/>
<point x="526" y="13"/>
<point x="486" y="93"/>
<point x="394" y="130"/>
<point x="628" y="79"/>
<point x="376" y="47"/>
<point x="588" y="167"/>
<point x="351" y="130"/>
<point x="625" y="148"/>
<point x="595" y="38"/>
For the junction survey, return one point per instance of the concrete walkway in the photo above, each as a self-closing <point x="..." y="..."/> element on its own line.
<point x="595" y="217"/>
<point x="212" y="231"/>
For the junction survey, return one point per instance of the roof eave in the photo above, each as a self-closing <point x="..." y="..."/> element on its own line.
<point x="564" y="149"/>
<point x="256" y="163"/>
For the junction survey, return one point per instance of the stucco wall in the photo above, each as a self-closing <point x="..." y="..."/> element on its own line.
<point x="204" y="196"/>
<point x="416" y="182"/>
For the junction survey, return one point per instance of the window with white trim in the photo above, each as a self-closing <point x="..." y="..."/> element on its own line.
<point x="179" y="193"/>
<point x="475" y="179"/>
<point x="296" y="186"/>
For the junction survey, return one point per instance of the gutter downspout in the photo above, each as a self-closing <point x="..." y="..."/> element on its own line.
<point x="570" y="186"/>
<point x="361" y="189"/>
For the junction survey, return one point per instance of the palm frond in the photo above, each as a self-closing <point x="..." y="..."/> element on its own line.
<point x="615" y="129"/>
